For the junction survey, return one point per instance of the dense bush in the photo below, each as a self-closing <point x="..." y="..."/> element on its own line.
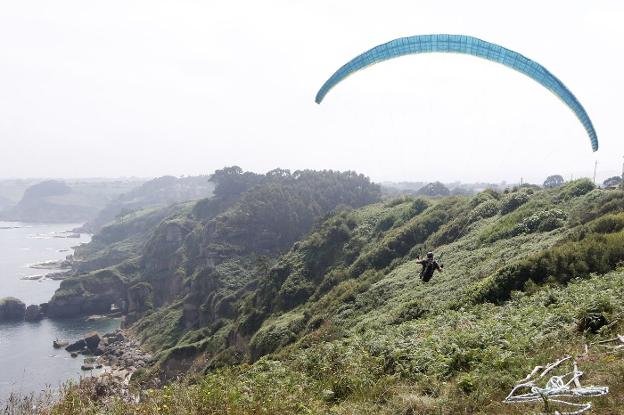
<point x="609" y="223"/>
<point x="418" y="206"/>
<point x="594" y="315"/>
<point x="273" y="336"/>
<point x="595" y="204"/>
<point x="484" y="196"/>
<point x="410" y="311"/>
<point x="513" y="201"/>
<point x="460" y="224"/>
<point x="594" y="254"/>
<point x="575" y="189"/>
<point x="543" y="221"/>
<point x="399" y="241"/>
<point x="485" y="210"/>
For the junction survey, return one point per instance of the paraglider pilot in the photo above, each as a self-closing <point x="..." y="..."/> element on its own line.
<point x="429" y="265"/>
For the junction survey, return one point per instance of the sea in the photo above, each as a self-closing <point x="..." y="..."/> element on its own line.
<point x="28" y="362"/>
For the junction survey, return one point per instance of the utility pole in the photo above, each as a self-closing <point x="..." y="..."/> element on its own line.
<point x="622" y="183"/>
<point x="595" y="167"/>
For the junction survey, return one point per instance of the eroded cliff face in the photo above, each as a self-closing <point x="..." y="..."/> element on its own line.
<point x="185" y="278"/>
<point x="163" y="259"/>
<point x="94" y="293"/>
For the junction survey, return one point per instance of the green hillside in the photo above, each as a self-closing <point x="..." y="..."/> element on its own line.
<point x="159" y="192"/>
<point x="249" y="311"/>
<point x="59" y="201"/>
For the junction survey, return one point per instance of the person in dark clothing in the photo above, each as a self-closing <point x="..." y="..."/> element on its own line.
<point x="429" y="265"/>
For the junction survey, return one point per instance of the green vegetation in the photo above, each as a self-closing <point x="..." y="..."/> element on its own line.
<point x="156" y="193"/>
<point x="341" y="324"/>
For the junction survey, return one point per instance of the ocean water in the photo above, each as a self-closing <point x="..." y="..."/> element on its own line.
<point x="28" y="362"/>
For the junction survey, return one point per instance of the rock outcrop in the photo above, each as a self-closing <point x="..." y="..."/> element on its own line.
<point x="58" y="344"/>
<point x="92" y="341"/>
<point x="11" y="309"/>
<point x="33" y="313"/>
<point x="93" y="293"/>
<point x="77" y="346"/>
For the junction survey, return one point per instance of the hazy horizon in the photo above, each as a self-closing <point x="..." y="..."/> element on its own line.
<point x="146" y="89"/>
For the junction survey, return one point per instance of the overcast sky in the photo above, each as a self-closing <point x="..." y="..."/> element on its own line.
<point x="147" y="88"/>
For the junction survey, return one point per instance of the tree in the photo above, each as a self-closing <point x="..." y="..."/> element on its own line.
<point x="434" y="189"/>
<point x="553" y="181"/>
<point x="277" y="173"/>
<point x="612" y="181"/>
<point x="231" y="182"/>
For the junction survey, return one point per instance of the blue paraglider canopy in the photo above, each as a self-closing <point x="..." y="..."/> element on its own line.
<point x="470" y="46"/>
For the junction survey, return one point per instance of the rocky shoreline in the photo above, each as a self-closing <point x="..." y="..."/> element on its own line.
<point x="57" y="276"/>
<point x="61" y="268"/>
<point x="61" y="264"/>
<point x="115" y="354"/>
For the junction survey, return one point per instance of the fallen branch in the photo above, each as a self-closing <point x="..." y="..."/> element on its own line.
<point x="556" y="387"/>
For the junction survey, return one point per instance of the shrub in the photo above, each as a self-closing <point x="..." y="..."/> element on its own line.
<point x="385" y="223"/>
<point x="513" y="201"/>
<point x="608" y="223"/>
<point x="418" y="206"/>
<point x="575" y="189"/>
<point x="410" y="311"/>
<point x="595" y="204"/>
<point x="468" y="383"/>
<point x="484" y="196"/>
<point x="543" y="221"/>
<point x="593" y="316"/>
<point x="450" y="231"/>
<point x="486" y="209"/>
<point x="595" y="254"/>
<point x="274" y="336"/>
<point x="400" y="240"/>
<point x="396" y="201"/>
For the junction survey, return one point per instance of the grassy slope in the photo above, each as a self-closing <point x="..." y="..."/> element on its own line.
<point x="374" y="339"/>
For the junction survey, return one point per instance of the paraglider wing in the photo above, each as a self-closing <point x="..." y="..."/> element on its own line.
<point x="466" y="45"/>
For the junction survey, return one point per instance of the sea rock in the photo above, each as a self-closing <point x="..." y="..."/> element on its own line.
<point x="33" y="313"/>
<point x="77" y="346"/>
<point x="58" y="276"/>
<point x="57" y="344"/>
<point x="86" y="367"/>
<point x="54" y="264"/>
<point x="96" y="317"/>
<point x="32" y="277"/>
<point x="11" y="309"/>
<point x="73" y="354"/>
<point x="92" y="341"/>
